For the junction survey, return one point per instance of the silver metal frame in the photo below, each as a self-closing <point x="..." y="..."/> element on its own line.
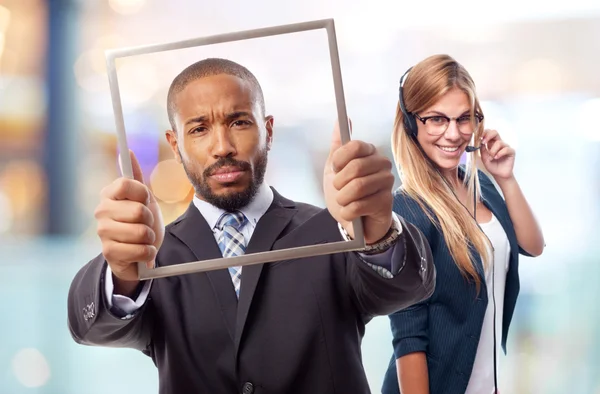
<point x="254" y="258"/>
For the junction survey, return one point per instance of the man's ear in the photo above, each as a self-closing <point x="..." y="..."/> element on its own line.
<point x="269" y="127"/>
<point x="172" y="140"/>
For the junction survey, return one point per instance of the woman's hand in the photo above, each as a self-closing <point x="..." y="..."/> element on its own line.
<point x="497" y="156"/>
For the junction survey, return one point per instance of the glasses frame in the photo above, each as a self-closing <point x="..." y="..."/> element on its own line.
<point x="449" y="119"/>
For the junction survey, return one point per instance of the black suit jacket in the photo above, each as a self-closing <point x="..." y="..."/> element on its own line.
<point x="296" y="328"/>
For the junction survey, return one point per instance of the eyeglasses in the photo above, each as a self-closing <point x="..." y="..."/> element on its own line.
<point x="438" y="124"/>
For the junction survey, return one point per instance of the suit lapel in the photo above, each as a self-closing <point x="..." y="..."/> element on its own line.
<point x="267" y="231"/>
<point x="193" y="230"/>
<point x="195" y="233"/>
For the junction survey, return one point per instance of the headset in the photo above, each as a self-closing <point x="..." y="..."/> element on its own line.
<point x="410" y="126"/>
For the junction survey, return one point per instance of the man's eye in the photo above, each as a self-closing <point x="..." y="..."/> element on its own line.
<point x="241" y="123"/>
<point x="200" y="129"/>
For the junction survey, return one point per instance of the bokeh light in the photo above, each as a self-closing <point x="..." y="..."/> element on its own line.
<point x="126" y="7"/>
<point x="6" y="213"/>
<point x="31" y="368"/>
<point x="24" y="182"/>
<point x="169" y="182"/>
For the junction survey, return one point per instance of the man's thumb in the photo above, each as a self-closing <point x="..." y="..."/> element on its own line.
<point x="138" y="175"/>
<point x="136" y="169"/>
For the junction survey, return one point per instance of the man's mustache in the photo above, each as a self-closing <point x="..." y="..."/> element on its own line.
<point x="226" y="162"/>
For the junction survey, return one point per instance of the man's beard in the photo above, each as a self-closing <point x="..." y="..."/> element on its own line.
<point x="232" y="201"/>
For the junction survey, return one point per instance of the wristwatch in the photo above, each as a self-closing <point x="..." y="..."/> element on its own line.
<point x="386" y="242"/>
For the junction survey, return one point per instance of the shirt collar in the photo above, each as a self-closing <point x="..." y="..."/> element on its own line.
<point x="253" y="211"/>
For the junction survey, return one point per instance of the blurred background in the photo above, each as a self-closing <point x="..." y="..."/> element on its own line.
<point x="536" y="69"/>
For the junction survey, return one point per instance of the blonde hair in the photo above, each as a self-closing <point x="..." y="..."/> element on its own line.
<point x="426" y="83"/>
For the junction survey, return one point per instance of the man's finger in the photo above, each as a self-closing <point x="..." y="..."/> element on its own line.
<point x="127" y="189"/>
<point x="361" y="167"/>
<point x="360" y="188"/>
<point x="128" y="253"/>
<point x="352" y="150"/>
<point x="138" y="175"/>
<point x="366" y="206"/>
<point x="127" y="233"/>
<point x="125" y="212"/>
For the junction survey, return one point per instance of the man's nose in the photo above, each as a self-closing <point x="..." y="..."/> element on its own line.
<point x="222" y="145"/>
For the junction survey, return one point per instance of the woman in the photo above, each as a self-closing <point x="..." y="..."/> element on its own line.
<point x="448" y="344"/>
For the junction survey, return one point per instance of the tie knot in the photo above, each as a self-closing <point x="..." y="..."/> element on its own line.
<point x="234" y="219"/>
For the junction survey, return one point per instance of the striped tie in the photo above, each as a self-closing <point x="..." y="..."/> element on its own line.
<point x="232" y="242"/>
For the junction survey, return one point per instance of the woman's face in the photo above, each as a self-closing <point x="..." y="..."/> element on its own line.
<point x="445" y="146"/>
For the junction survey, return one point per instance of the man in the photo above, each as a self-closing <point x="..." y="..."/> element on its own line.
<point x="284" y="327"/>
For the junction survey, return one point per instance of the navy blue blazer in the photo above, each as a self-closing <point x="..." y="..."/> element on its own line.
<point x="447" y="326"/>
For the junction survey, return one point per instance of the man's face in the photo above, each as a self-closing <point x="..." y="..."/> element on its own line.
<point x="222" y="139"/>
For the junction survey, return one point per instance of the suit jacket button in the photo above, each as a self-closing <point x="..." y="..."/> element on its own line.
<point x="248" y="388"/>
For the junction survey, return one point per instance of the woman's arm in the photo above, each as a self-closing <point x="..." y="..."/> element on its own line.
<point x="499" y="159"/>
<point x="413" y="376"/>
<point x="528" y="230"/>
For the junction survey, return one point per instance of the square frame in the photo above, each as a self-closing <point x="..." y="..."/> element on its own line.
<point x="255" y="258"/>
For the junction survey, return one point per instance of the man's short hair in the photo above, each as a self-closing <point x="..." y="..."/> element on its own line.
<point x="205" y="68"/>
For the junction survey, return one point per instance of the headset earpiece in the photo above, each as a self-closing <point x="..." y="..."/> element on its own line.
<point x="410" y="122"/>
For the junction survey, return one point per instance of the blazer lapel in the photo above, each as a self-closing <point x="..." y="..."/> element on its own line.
<point x="195" y="233"/>
<point x="267" y="231"/>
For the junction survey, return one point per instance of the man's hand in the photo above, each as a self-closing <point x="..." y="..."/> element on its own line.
<point x="130" y="226"/>
<point x="358" y="182"/>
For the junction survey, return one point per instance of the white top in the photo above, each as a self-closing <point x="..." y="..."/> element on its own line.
<point x="482" y="376"/>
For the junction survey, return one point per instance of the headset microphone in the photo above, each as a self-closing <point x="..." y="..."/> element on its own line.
<point x="469" y="149"/>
